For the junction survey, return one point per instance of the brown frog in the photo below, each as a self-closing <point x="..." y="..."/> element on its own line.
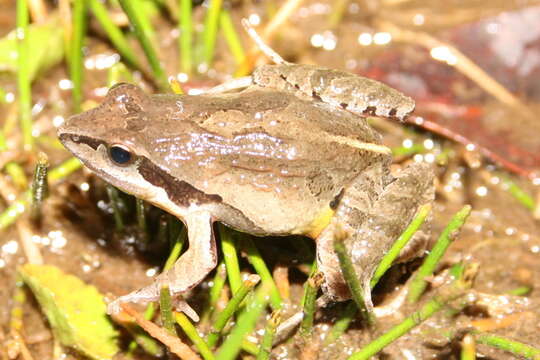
<point x="265" y="161"/>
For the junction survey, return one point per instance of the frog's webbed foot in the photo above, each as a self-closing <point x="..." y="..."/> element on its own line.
<point x="373" y="224"/>
<point x="188" y="271"/>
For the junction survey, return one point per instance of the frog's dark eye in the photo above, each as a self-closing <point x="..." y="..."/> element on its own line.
<point x="121" y="155"/>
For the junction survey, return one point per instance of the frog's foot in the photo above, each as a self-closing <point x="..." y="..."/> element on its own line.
<point x="188" y="271"/>
<point x="373" y="224"/>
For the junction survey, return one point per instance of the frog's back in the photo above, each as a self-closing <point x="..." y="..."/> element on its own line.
<point x="279" y="160"/>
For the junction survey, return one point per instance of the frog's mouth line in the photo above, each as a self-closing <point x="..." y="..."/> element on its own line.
<point x="66" y="138"/>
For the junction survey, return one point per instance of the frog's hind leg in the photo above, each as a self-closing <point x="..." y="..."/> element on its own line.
<point x="374" y="211"/>
<point x="188" y="271"/>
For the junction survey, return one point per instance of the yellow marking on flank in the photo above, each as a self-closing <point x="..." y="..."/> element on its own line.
<point x="317" y="226"/>
<point x="361" y="145"/>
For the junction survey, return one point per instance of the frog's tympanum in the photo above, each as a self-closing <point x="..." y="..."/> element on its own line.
<point x="264" y="161"/>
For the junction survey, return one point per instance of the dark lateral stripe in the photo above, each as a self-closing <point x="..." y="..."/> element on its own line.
<point x="179" y="191"/>
<point x="81" y="139"/>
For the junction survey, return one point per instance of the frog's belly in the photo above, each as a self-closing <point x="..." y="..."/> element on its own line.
<point x="268" y="213"/>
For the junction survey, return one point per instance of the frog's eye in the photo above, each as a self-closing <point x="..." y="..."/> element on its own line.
<point x="121" y="155"/>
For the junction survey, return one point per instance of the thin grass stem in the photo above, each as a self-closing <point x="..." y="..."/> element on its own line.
<point x="114" y="197"/>
<point x="468" y="348"/>
<point x="165" y="309"/>
<point x="18" y="207"/>
<point x="176" y="249"/>
<point x="40" y="188"/>
<point x="350" y="276"/>
<point x="224" y="316"/>
<point x="218" y="282"/>
<point x="515" y="347"/>
<point x="230" y="255"/>
<point x="255" y="258"/>
<point x="400" y="243"/>
<point x="185" y="39"/>
<point x="245" y="325"/>
<point x="23" y="75"/>
<point x="342" y="324"/>
<point x="452" y="291"/>
<point x="310" y="296"/>
<point x="519" y="194"/>
<point x="231" y="37"/>
<point x="114" y="33"/>
<point x="268" y="338"/>
<point x="76" y="52"/>
<point x="141" y="33"/>
<point x="210" y="30"/>
<point x="419" y="283"/>
<point x="193" y="335"/>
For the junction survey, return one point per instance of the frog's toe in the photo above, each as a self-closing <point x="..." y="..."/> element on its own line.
<point x="142" y="296"/>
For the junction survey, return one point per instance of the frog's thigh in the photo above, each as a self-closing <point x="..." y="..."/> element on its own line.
<point x="373" y="227"/>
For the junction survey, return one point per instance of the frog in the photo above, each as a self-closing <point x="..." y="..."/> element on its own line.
<point x="262" y="161"/>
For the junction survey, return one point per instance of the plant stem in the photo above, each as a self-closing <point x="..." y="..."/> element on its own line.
<point x="228" y="246"/>
<point x="310" y="296"/>
<point x="141" y="33"/>
<point x="418" y="283"/>
<point x="185" y="39"/>
<point x="224" y="316"/>
<point x="445" y="294"/>
<point x="350" y="276"/>
<point x="468" y="348"/>
<point x="255" y="258"/>
<point x="268" y="338"/>
<point x="245" y="325"/>
<point x="400" y="243"/>
<point x="165" y="308"/>
<point x="23" y="75"/>
<point x="231" y="36"/>
<point x="515" y="347"/>
<point x="210" y="30"/>
<point x="18" y="207"/>
<point x="341" y="325"/>
<point x="194" y="336"/>
<point x="114" y="33"/>
<point x="76" y="52"/>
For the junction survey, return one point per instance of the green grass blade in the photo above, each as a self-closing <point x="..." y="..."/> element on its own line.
<point x="76" y="62"/>
<point x="515" y="347"/>
<point x="519" y="194"/>
<point x="400" y="243"/>
<point x="255" y="259"/>
<point x="185" y="39"/>
<point x="350" y="276"/>
<point x="309" y="301"/>
<point x="342" y="324"/>
<point x="114" y="33"/>
<point x="232" y="37"/>
<point x="141" y="32"/>
<point x="268" y="338"/>
<point x="468" y="348"/>
<point x="230" y="255"/>
<point x="23" y="75"/>
<point x="210" y="30"/>
<point x="231" y="308"/>
<point x="245" y="325"/>
<point x="165" y="309"/>
<point x="193" y="335"/>
<point x="418" y="283"/>
<point x="452" y="291"/>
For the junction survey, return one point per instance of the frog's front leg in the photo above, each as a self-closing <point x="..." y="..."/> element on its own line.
<point x="189" y="270"/>
<point x="374" y="211"/>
